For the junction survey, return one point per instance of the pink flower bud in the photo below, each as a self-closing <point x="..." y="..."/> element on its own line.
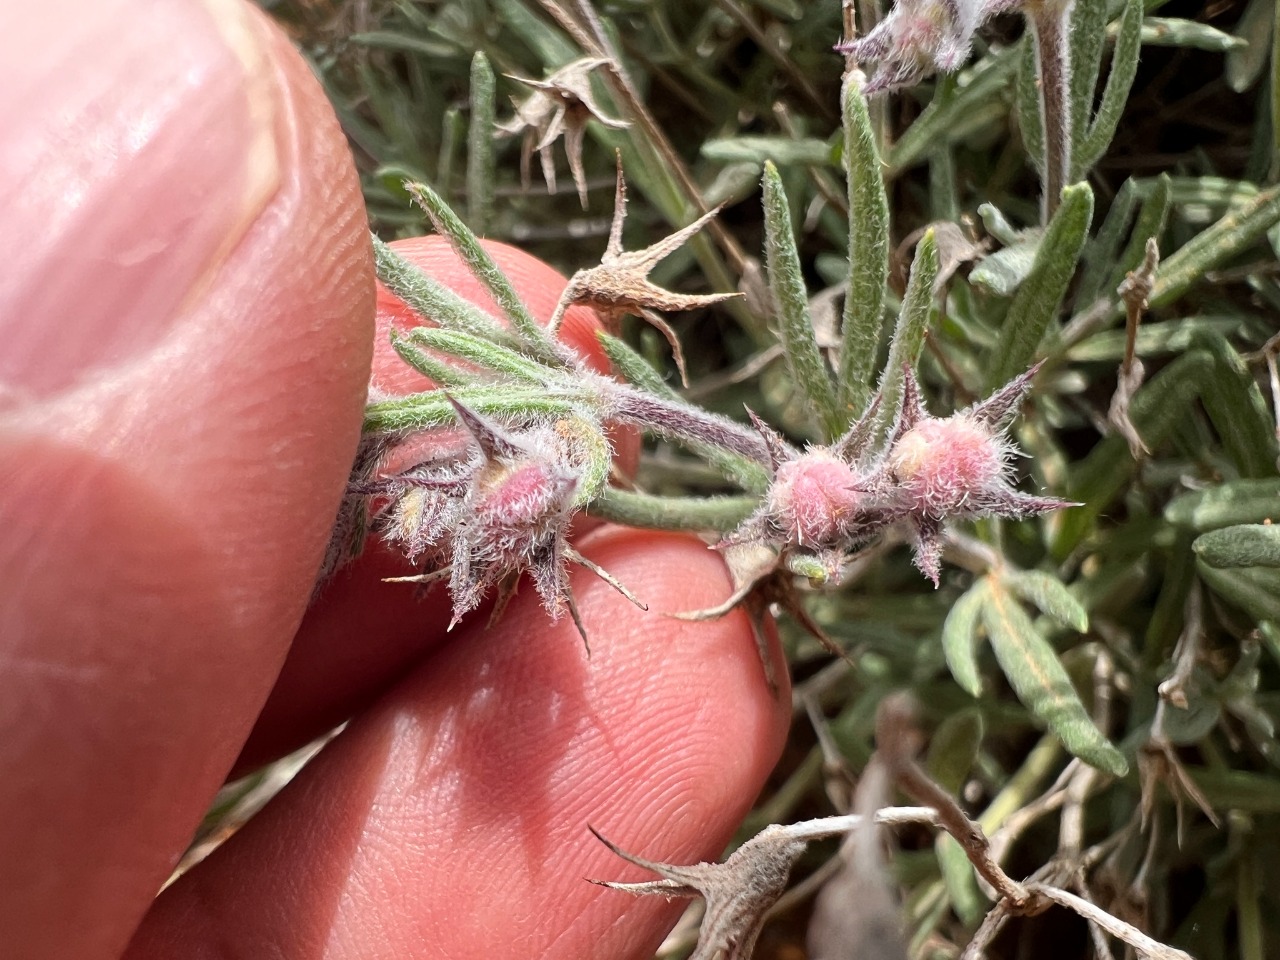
<point x="942" y="464"/>
<point x="813" y="497"/>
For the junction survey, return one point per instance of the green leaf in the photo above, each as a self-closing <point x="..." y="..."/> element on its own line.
<point x="979" y="103"/>
<point x="1245" y="63"/>
<point x="908" y="335"/>
<point x="1124" y="67"/>
<point x="1158" y="408"/>
<point x="1041" y="682"/>
<point x="784" y="151"/>
<point x="480" y="167"/>
<point x="1036" y="304"/>
<point x="1255" y="590"/>
<point x="1047" y="593"/>
<point x="960" y="637"/>
<point x="1152" y="217"/>
<point x="721" y="514"/>
<point x="791" y="303"/>
<point x="1246" y="545"/>
<point x="1237" y="409"/>
<point x="1004" y="271"/>
<point x="1030" y="123"/>
<point x="433" y="301"/>
<point x="1240" y="501"/>
<point x="439" y="371"/>
<point x="422" y="411"/>
<point x="1087" y="30"/>
<point x="1210" y="248"/>
<point x="953" y="748"/>
<point x="483" y="353"/>
<point x="536" y="340"/>
<point x="868" y="252"/>
<point x="1103" y="250"/>
<point x="1180" y="32"/>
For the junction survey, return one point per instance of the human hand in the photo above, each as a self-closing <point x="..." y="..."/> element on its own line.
<point x="185" y="332"/>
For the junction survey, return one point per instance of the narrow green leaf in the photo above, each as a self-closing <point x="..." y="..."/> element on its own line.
<point x="1234" y="233"/>
<point x="439" y="371"/>
<point x="1240" y="501"/>
<point x="1150" y="224"/>
<point x="1124" y="67"/>
<point x="1087" y="31"/>
<point x="784" y="151"/>
<point x="1030" y="125"/>
<point x="1255" y="590"/>
<point x="1002" y="272"/>
<point x="483" y="353"/>
<point x="868" y="252"/>
<point x="721" y="514"/>
<point x="433" y="301"/>
<point x="633" y="368"/>
<point x="953" y="749"/>
<point x="1103" y="250"/>
<point x="791" y="303"/>
<point x="480" y="167"/>
<point x="960" y="637"/>
<point x="1036" y="304"/>
<point x="422" y="411"/>
<point x="960" y="881"/>
<point x="481" y="265"/>
<point x="1162" y="404"/>
<point x="1237" y="409"/>
<point x="1041" y="682"/>
<point x="1245" y="63"/>
<point x="908" y="335"/>
<point x="979" y="103"/>
<point x="1180" y="32"/>
<point x="1047" y="593"/>
<point x="1246" y="545"/>
<point x="1170" y="336"/>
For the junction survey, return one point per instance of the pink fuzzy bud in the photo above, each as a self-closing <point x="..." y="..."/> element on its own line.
<point x="813" y="497"/>
<point x="941" y="465"/>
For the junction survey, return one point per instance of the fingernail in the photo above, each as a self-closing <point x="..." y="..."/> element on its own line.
<point x="133" y="161"/>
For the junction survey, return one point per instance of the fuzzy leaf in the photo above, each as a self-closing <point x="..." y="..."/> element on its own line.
<point x="1152" y="216"/>
<point x="422" y="411"/>
<point x="480" y="170"/>
<point x="483" y="353"/>
<point x="868" y="252"/>
<point x="1245" y="63"/>
<point x="440" y="372"/>
<point x="1237" y="409"/>
<point x="1210" y="248"/>
<point x="784" y="151"/>
<point x="1240" y="501"/>
<point x="1255" y="590"/>
<point x="960" y="637"/>
<point x="791" y="302"/>
<point x="1246" y="545"/>
<point x="431" y="300"/>
<point x="1003" y="271"/>
<point x="1047" y="594"/>
<point x="482" y="267"/>
<point x="1041" y="682"/>
<point x="1103" y="250"/>
<point x="908" y="335"/>
<point x="1124" y="67"/>
<point x="1036" y="304"/>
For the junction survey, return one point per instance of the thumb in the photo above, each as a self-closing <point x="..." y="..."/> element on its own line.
<point x="186" y="316"/>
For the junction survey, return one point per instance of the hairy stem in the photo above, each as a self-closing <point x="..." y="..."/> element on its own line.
<point x="1050" y="22"/>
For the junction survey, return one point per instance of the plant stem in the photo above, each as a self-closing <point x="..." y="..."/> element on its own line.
<point x="1050" y="20"/>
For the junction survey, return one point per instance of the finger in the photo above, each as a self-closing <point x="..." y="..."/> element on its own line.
<point x="186" y="314"/>
<point x="362" y="633"/>
<point x="455" y="812"/>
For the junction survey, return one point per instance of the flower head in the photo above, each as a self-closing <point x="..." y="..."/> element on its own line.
<point x="919" y="37"/>
<point x="500" y="509"/>
<point x="822" y="502"/>
<point x="957" y="466"/>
